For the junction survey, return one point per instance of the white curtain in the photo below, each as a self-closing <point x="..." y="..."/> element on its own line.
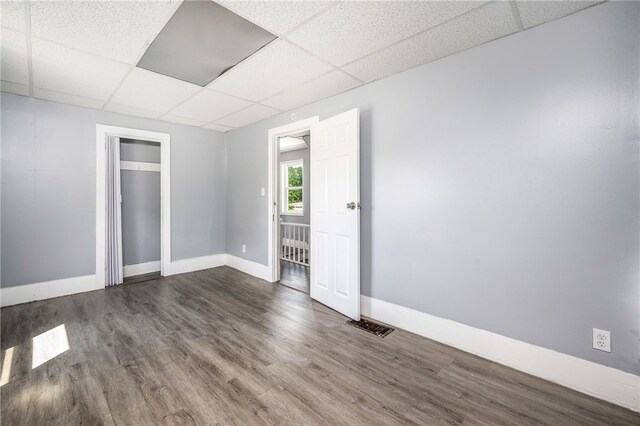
<point x="114" y="273"/>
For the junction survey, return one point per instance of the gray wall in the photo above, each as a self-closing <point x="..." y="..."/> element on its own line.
<point x="137" y="150"/>
<point x="48" y="188"/>
<point x="140" y="204"/>
<point x="296" y="155"/>
<point x="503" y="193"/>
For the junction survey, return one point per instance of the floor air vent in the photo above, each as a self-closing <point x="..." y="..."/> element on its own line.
<point x="371" y="327"/>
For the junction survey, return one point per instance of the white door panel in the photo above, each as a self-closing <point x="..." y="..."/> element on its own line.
<point x="335" y="213"/>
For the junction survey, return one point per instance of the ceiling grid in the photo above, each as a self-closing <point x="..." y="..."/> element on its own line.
<point x="85" y="53"/>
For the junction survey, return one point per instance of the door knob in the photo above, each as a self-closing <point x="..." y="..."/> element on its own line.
<point x="351" y="205"/>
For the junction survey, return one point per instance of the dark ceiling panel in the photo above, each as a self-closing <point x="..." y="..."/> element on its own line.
<point x="202" y="40"/>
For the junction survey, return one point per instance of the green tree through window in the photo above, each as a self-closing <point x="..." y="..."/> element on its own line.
<point x="292" y="182"/>
<point x="295" y="180"/>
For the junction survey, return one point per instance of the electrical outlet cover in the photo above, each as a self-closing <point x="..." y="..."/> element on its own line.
<point x="602" y="340"/>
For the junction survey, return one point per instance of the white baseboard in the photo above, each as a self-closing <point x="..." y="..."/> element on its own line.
<point x="63" y="287"/>
<point x="610" y="384"/>
<point x="195" y="264"/>
<point x="141" y="268"/>
<point x="258" y="270"/>
<point x="47" y="290"/>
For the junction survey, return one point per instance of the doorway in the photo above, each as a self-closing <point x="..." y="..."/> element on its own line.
<point x="332" y="243"/>
<point x="297" y="128"/>
<point x="105" y="137"/>
<point x="294" y="200"/>
<point x="282" y="253"/>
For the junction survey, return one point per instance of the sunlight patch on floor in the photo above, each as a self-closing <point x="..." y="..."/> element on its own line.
<point x="6" y="366"/>
<point x="49" y="345"/>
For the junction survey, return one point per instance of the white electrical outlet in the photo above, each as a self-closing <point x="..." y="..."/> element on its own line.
<point x="602" y="340"/>
<point x="244" y="248"/>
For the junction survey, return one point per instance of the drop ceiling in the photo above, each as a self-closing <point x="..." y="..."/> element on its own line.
<point x="201" y="41"/>
<point x="85" y="53"/>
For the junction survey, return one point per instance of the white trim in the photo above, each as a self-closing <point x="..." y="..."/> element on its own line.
<point x="139" y="166"/>
<point x="197" y="264"/>
<point x="610" y="384"/>
<point x="273" y="212"/>
<point x="141" y="268"/>
<point x="67" y="286"/>
<point x="165" y="193"/>
<point x="47" y="290"/>
<point x="258" y="270"/>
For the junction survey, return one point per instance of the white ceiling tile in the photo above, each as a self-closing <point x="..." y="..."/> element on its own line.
<point x="271" y="70"/>
<point x="65" y="98"/>
<point x="152" y="91"/>
<point x="13" y="52"/>
<point x="352" y="30"/>
<point x="209" y="105"/>
<point x="12" y="15"/>
<point x="218" y="128"/>
<point x="15" y="88"/>
<point x="181" y="120"/>
<point x="536" y="12"/>
<point x="248" y="115"/>
<point x="275" y="16"/>
<point x="289" y="143"/>
<point x="322" y="87"/>
<point x="65" y="70"/>
<point x="117" y="30"/>
<point x="479" y="26"/>
<point x="127" y="110"/>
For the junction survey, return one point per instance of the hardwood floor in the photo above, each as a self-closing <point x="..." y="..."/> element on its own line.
<point x="221" y="347"/>
<point x="295" y="276"/>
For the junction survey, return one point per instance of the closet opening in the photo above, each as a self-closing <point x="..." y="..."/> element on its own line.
<point x="140" y="209"/>
<point x="133" y="205"/>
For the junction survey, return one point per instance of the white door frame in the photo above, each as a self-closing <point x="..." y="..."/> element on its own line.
<point x="273" y="205"/>
<point x="164" y="139"/>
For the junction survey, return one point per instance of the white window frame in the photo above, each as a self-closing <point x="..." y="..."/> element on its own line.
<point x="284" y="190"/>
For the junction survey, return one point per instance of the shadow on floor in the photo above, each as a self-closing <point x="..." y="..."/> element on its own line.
<point x="142" y="278"/>
<point x="295" y="276"/>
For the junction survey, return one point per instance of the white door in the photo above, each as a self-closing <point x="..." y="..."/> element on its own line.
<point x="335" y="213"/>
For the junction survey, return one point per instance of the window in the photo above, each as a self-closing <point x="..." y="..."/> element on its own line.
<point x="292" y="173"/>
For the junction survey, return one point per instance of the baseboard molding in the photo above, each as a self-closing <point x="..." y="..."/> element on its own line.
<point x="258" y="270"/>
<point x="47" y="290"/>
<point x="616" y="386"/>
<point x="141" y="268"/>
<point x="64" y="287"/>
<point x="195" y="264"/>
<point x="610" y="384"/>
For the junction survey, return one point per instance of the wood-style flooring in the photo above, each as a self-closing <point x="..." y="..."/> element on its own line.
<point x="295" y="276"/>
<point x="221" y="347"/>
